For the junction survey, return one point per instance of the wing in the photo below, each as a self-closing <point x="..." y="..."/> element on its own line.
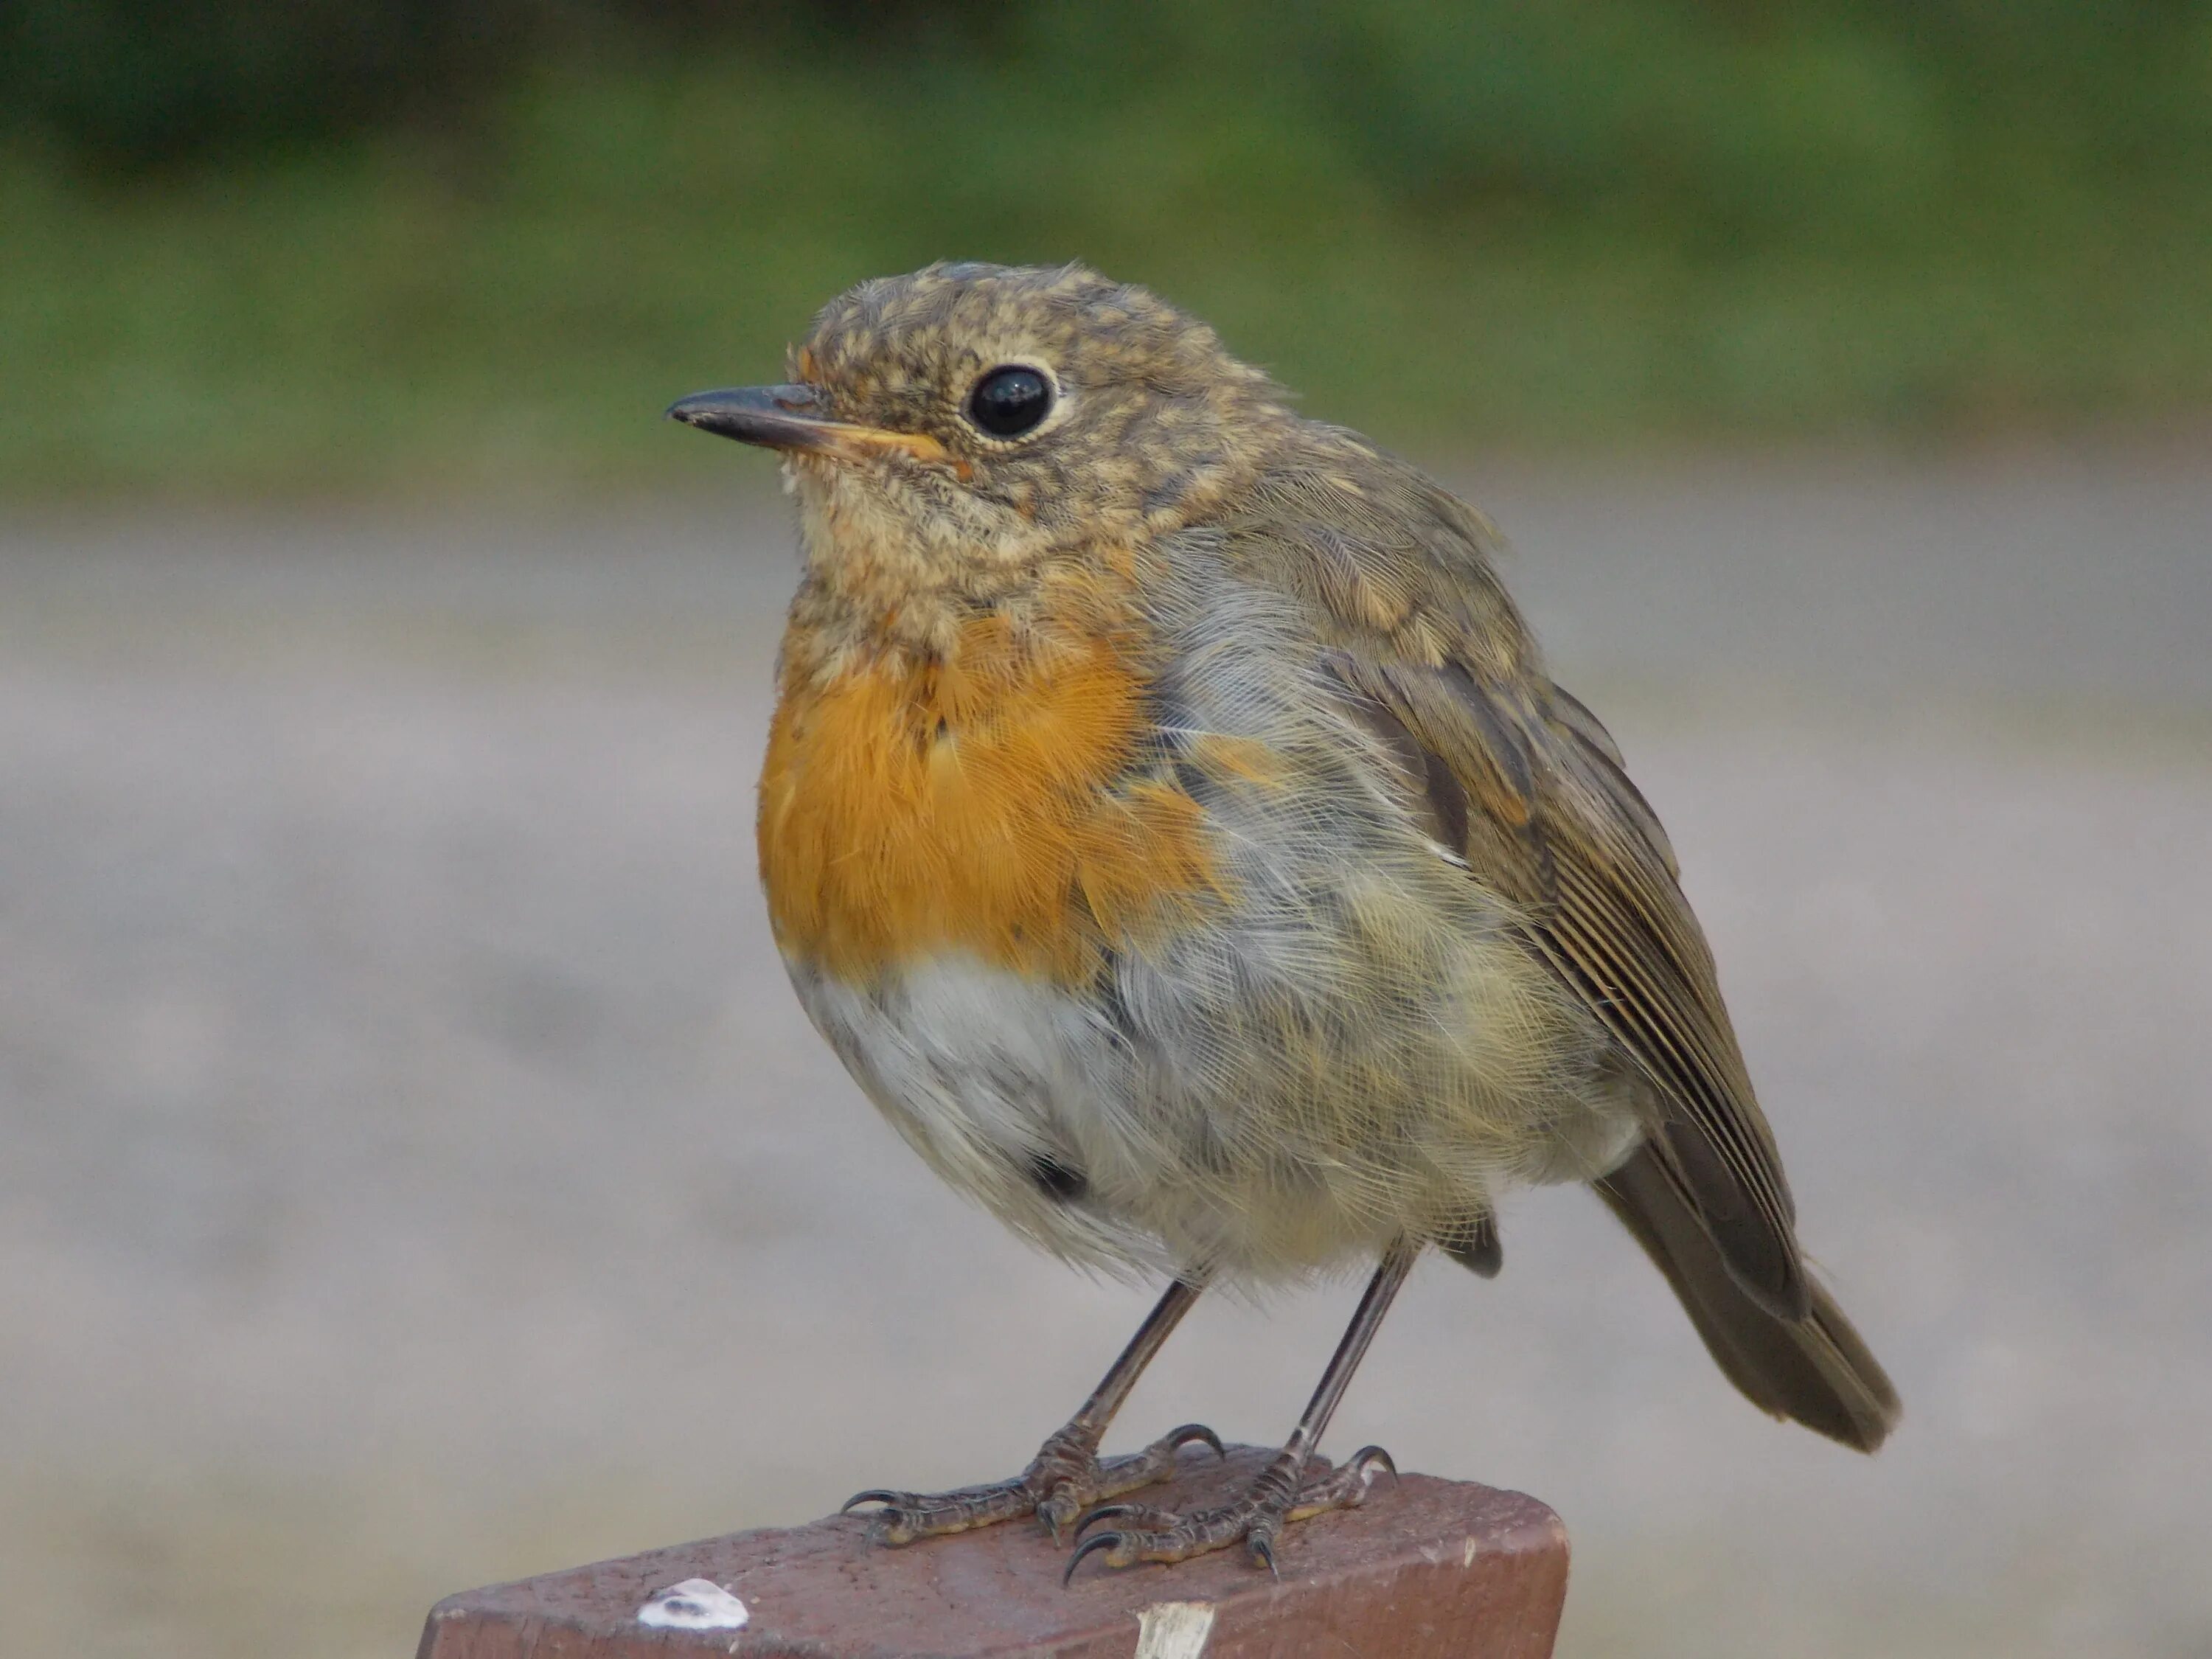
<point x="1523" y="782"/>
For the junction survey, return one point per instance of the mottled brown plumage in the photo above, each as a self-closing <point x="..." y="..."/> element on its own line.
<point x="1172" y="824"/>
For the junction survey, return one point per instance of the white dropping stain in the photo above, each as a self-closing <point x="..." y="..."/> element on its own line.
<point x="1467" y="1556"/>
<point x="695" y="1604"/>
<point x="1174" y="1629"/>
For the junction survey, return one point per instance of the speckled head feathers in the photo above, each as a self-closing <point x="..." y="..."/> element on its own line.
<point x="1147" y="418"/>
<point x="917" y="342"/>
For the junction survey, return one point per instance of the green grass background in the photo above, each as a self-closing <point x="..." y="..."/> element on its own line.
<point x="481" y="254"/>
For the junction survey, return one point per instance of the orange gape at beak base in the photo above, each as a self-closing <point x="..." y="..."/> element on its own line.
<point x="775" y="417"/>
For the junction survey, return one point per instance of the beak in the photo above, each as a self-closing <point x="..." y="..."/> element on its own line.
<point x="779" y="417"/>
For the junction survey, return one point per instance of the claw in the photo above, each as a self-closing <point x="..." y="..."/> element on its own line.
<point x="1104" y="1540"/>
<point x="1191" y="1434"/>
<point x="1367" y="1456"/>
<point x="1263" y="1554"/>
<point x="873" y="1495"/>
<point x="1056" y="1514"/>
<point x="1092" y="1517"/>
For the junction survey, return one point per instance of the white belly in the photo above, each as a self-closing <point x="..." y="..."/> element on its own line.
<point x="1012" y="1091"/>
<point x="1176" y="1124"/>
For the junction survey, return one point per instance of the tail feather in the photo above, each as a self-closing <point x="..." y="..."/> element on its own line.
<point x="1815" y="1369"/>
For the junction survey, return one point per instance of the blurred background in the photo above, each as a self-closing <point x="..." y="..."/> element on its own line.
<point x="414" y="1168"/>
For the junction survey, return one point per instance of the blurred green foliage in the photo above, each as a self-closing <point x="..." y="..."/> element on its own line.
<point x="344" y="242"/>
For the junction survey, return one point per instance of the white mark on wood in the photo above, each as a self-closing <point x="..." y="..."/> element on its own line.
<point x="1469" y="1551"/>
<point x="1174" y="1629"/>
<point x="695" y="1604"/>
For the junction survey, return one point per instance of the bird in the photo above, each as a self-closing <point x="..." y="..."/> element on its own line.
<point x="1168" y="819"/>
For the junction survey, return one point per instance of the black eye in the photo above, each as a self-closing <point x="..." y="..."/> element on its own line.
<point x="1008" y="402"/>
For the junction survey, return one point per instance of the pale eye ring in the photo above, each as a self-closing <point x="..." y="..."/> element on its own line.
<point x="1011" y="401"/>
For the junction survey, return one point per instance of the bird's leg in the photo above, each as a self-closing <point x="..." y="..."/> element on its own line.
<point x="1289" y="1489"/>
<point x="1066" y="1476"/>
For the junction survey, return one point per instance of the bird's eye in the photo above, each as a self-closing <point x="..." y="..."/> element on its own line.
<point x="1008" y="402"/>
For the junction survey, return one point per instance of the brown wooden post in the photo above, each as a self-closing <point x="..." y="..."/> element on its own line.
<point x="1429" y="1570"/>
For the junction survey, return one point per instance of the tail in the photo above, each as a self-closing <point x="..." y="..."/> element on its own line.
<point x="1815" y="1370"/>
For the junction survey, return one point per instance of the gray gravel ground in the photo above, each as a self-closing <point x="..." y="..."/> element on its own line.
<point x="414" y="1171"/>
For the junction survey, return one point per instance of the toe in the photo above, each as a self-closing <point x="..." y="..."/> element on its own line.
<point x="1344" y="1487"/>
<point x="1140" y="1515"/>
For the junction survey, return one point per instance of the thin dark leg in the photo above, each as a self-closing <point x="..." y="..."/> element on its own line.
<point x="1098" y="1411"/>
<point x="1281" y="1493"/>
<point x="1065" y="1477"/>
<point x="1366" y="1320"/>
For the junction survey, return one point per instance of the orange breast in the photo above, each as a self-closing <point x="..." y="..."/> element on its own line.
<point x="982" y="802"/>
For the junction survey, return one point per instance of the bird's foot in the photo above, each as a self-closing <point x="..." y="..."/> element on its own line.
<point x="1291" y="1488"/>
<point x="1065" y="1478"/>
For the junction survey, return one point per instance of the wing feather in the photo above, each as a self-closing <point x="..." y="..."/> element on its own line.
<point x="1425" y="649"/>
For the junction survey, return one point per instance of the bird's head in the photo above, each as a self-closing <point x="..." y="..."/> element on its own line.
<point x="976" y="415"/>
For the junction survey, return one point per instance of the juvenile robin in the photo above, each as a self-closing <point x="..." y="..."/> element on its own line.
<point x="1168" y="819"/>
